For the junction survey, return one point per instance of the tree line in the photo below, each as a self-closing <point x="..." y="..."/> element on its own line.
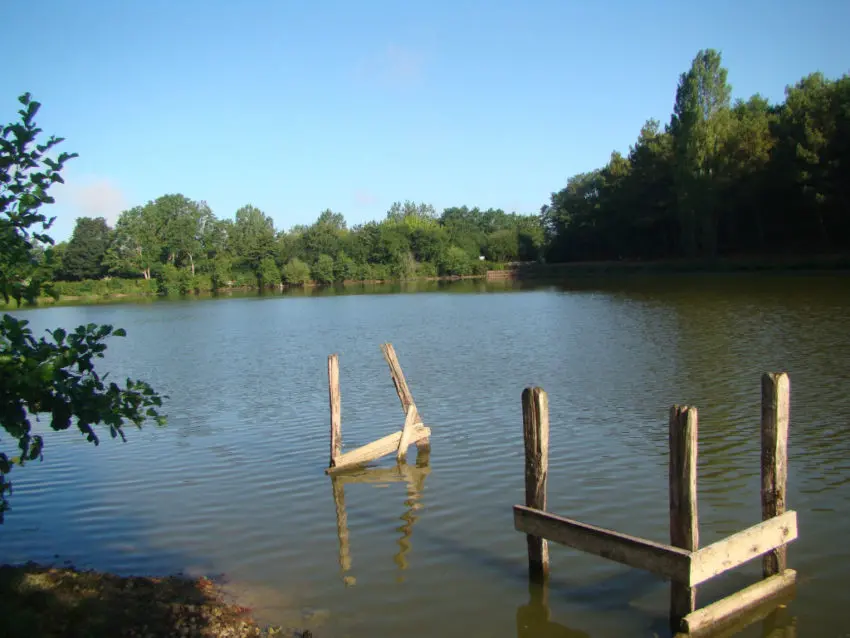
<point x="177" y="240"/>
<point x="721" y="178"/>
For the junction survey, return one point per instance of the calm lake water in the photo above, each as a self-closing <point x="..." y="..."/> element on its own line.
<point x="235" y="483"/>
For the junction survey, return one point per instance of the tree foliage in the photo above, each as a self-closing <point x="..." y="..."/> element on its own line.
<point x="722" y="178"/>
<point x="83" y="257"/>
<point x="55" y="375"/>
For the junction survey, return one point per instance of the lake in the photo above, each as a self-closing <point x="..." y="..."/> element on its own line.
<point x="235" y="483"/>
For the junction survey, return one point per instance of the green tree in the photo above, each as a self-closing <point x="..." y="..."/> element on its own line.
<point x="296" y="272"/>
<point x="137" y="243"/>
<point x="323" y="271"/>
<point x="84" y="255"/>
<point x="253" y="237"/>
<point x="503" y="245"/>
<point x="699" y="126"/>
<point x="53" y="376"/>
<point x="455" y="262"/>
<point x="268" y="273"/>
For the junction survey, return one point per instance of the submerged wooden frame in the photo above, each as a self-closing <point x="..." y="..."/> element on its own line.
<point x="413" y="430"/>
<point x="682" y="561"/>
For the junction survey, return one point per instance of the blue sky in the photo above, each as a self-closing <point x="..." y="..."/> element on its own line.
<point x="300" y="106"/>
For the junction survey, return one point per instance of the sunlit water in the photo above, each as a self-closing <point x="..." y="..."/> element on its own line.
<point x="235" y="483"/>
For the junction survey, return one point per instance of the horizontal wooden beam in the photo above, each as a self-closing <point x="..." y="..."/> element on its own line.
<point x="738" y="603"/>
<point x="739" y="548"/>
<point x="672" y="562"/>
<point x="377" y="449"/>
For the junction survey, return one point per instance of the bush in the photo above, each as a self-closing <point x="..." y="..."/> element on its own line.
<point x="167" y="278"/>
<point x="455" y="262"/>
<point x="426" y="269"/>
<point x="268" y="273"/>
<point x="323" y="271"/>
<point x="345" y="268"/>
<point x="296" y="272"/>
<point x="221" y="272"/>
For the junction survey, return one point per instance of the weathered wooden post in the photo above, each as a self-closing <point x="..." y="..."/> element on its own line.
<point x="402" y="389"/>
<point x="775" y="416"/>
<point x="535" y="429"/>
<point x="684" y="528"/>
<point x="336" y="408"/>
<point x="406" y="433"/>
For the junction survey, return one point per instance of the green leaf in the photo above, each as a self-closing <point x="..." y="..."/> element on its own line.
<point x="120" y="332"/>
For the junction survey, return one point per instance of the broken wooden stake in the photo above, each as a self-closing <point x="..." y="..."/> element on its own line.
<point x="413" y="431"/>
<point x="406" y="432"/>
<point x="535" y="431"/>
<point x="684" y="531"/>
<point x="775" y="415"/>
<point x="401" y="387"/>
<point x="336" y="408"/>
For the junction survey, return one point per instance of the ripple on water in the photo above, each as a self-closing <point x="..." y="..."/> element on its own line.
<point x="235" y="483"/>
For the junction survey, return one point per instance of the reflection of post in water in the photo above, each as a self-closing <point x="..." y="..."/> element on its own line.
<point x="414" y="478"/>
<point x="532" y="620"/>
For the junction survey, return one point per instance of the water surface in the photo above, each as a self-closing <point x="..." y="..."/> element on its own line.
<point x="235" y="485"/>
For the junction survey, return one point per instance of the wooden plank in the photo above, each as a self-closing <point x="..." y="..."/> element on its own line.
<point x="728" y="608"/>
<point x="336" y="408"/>
<point x="664" y="560"/>
<point x="377" y="449"/>
<point x="739" y="548"/>
<point x="535" y="431"/>
<point x="684" y="529"/>
<point x="775" y="418"/>
<point x="406" y="432"/>
<point x="401" y="387"/>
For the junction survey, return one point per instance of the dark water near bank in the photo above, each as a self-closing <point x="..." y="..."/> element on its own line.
<point x="235" y="484"/>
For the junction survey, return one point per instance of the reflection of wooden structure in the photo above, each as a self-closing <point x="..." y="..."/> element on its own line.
<point x="682" y="561"/>
<point x="413" y="476"/>
<point x="413" y="430"/>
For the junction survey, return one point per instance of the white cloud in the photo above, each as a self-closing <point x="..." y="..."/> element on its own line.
<point x="93" y="197"/>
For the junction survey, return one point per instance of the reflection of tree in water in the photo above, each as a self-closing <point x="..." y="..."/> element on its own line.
<point x="413" y="476"/>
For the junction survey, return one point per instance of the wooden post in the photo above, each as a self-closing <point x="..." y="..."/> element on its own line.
<point x="775" y="415"/>
<point x="535" y="429"/>
<point x="684" y="529"/>
<point x="401" y="388"/>
<point x="406" y="433"/>
<point x="336" y="408"/>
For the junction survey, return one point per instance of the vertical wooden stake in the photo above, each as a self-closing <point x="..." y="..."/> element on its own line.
<point x="535" y="430"/>
<point x="775" y="416"/>
<point x="684" y="526"/>
<point x="406" y="433"/>
<point x="401" y="388"/>
<point x="336" y="408"/>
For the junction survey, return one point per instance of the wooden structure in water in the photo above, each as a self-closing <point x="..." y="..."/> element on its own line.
<point x="682" y="561"/>
<point x="413" y="430"/>
<point x="412" y="476"/>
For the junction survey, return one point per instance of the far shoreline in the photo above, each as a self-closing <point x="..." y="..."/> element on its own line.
<point x="521" y="271"/>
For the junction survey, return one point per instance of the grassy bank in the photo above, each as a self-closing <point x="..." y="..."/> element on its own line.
<point x="48" y="602"/>
<point x="117" y="290"/>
